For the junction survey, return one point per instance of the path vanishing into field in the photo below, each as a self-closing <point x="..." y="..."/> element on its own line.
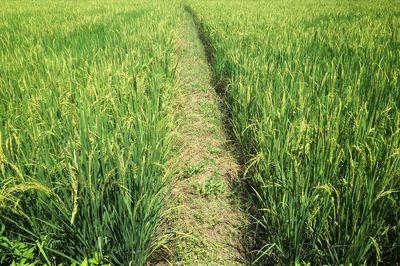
<point x="210" y="222"/>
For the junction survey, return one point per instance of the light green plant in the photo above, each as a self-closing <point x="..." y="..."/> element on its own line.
<point x="212" y="186"/>
<point x="193" y="169"/>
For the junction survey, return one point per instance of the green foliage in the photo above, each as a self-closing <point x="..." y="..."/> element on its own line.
<point x="212" y="186"/>
<point x="215" y="151"/>
<point x="15" y="252"/>
<point x="193" y="169"/>
<point x="313" y="91"/>
<point x="95" y="261"/>
<point x="85" y="127"/>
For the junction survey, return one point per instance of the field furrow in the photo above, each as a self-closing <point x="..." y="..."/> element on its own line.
<point x="210" y="221"/>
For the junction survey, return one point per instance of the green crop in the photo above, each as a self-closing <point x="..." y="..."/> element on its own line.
<point x="85" y="127"/>
<point x="313" y="92"/>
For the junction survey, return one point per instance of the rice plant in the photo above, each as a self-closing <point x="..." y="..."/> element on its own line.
<point x="85" y="131"/>
<point x="313" y="91"/>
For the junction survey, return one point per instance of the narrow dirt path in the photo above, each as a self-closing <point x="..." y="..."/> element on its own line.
<point x="210" y="222"/>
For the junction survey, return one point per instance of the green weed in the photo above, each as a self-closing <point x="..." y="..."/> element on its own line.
<point x="193" y="169"/>
<point x="212" y="186"/>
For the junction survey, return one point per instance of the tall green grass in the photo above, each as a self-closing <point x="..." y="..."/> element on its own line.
<point x="314" y="96"/>
<point x="85" y="132"/>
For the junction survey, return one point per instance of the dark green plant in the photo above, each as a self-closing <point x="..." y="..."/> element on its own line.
<point x="15" y="252"/>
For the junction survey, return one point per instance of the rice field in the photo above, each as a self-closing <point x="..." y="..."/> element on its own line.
<point x="87" y="127"/>
<point x="313" y="89"/>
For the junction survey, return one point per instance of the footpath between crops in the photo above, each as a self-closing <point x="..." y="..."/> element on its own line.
<point x="211" y="222"/>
